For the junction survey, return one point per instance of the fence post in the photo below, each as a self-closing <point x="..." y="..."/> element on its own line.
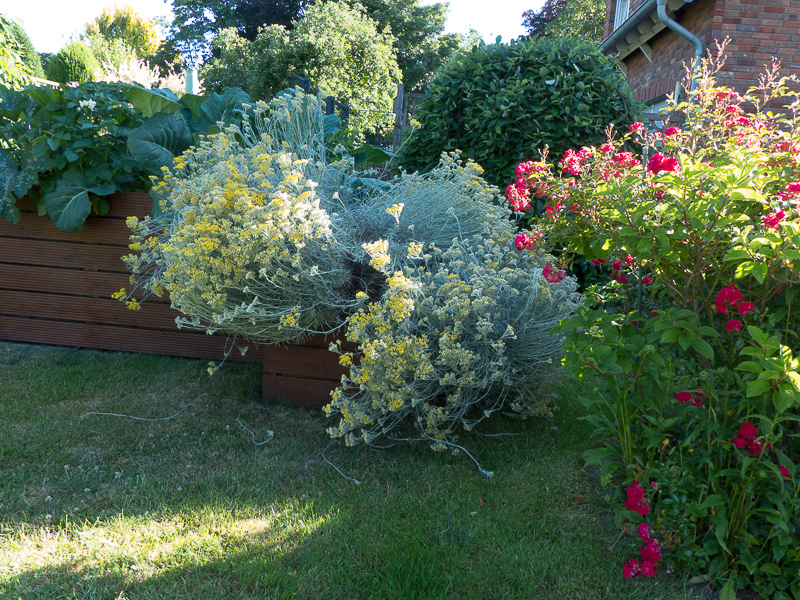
<point x="399" y="117"/>
<point x="329" y="106"/>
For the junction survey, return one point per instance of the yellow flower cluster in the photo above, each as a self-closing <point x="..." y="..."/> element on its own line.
<point x="244" y="244"/>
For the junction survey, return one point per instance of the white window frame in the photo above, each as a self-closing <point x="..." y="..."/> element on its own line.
<point x="622" y="13"/>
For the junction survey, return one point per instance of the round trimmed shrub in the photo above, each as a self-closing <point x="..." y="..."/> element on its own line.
<point x="75" y="62"/>
<point x="500" y="104"/>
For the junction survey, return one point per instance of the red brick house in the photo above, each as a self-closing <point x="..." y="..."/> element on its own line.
<point x="652" y="54"/>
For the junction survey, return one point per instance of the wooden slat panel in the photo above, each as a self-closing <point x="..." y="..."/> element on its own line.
<point x="122" y="339"/>
<point x="121" y="205"/>
<point x="90" y="310"/>
<point x="93" y="257"/>
<point x="323" y="341"/>
<point x="61" y="281"/>
<point x="303" y="361"/>
<point x="302" y="392"/>
<point x="129" y="204"/>
<point x="96" y="230"/>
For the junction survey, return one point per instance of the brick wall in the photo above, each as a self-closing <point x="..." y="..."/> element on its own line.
<point x="759" y="30"/>
<point x="608" y="25"/>
<point x="650" y="80"/>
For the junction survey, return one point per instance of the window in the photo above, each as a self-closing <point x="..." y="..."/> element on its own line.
<point x="622" y="13"/>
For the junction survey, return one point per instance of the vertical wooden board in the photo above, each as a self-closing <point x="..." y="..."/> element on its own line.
<point x="303" y="361"/>
<point x="314" y="393"/>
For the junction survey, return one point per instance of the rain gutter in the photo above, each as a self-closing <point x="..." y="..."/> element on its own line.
<point x="684" y="33"/>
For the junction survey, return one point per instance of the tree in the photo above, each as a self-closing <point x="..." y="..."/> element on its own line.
<point x="27" y="52"/>
<point x="197" y="22"/>
<point x="421" y="46"/>
<point x="125" y="24"/>
<point x="254" y="14"/>
<point x="337" y="47"/>
<point x="14" y="73"/>
<point x="575" y="18"/>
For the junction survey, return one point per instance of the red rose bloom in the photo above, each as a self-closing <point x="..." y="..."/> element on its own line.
<point x="755" y="447"/>
<point x="733" y="325"/>
<point x="648" y="569"/>
<point x="748" y="431"/>
<point x="631" y="569"/>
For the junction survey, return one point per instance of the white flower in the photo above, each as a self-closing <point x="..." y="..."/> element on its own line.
<point x="87" y="103"/>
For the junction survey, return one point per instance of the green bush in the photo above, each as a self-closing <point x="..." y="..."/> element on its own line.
<point x="75" y="62"/>
<point x="500" y="104"/>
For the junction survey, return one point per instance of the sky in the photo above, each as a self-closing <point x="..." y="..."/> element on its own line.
<point x="50" y="23"/>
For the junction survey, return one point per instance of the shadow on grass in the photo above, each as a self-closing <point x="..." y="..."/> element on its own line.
<point x="191" y="507"/>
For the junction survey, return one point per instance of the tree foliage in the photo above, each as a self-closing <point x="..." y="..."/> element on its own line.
<point x="574" y="18"/>
<point x="337" y="47"/>
<point x="14" y="73"/>
<point x="421" y="45"/>
<point x="127" y="25"/>
<point x="27" y="52"/>
<point x="196" y="22"/>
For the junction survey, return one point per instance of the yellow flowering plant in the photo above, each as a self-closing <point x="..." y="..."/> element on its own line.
<point x="267" y="236"/>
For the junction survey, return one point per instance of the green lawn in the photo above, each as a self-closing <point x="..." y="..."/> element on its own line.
<point x="190" y="507"/>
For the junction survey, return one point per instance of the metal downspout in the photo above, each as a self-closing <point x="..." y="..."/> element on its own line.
<point x="684" y="33"/>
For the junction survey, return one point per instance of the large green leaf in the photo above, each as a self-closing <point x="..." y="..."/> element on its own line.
<point x="330" y="124"/>
<point x="14" y="103"/>
<point x="68" y="204"/>
<point x="159" y="140"/>
<point x="193" y="102"/>
<point x="8" y="170"/>
<point x="28" y="175"/>
<point x="151" y="102"/>
<point x="221" y="107"/>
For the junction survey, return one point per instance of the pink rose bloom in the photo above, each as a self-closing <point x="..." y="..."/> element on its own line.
<point x="635" y="127"/>
<point x="670" y="131"/>
<point x="773" y="220"/>
<point x="650" y="552"/>
<point x="552" y="275"/>
<point x="606" y="148"/>
<point x="644" y="531"/>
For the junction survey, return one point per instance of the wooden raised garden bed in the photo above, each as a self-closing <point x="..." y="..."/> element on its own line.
<point x="304" y="374"/>
<point x="56" y="287"/>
